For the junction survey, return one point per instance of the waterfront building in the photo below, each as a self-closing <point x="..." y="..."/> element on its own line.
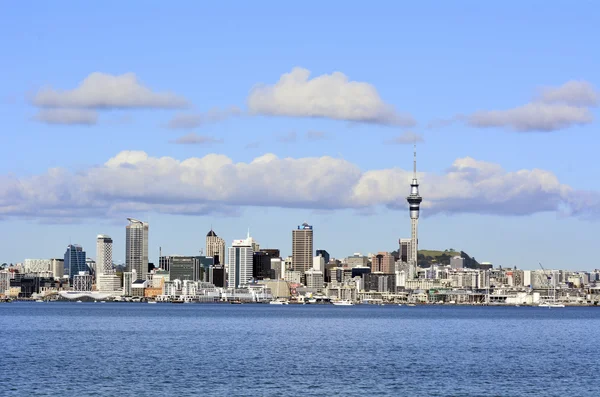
<point x="74" y="260"/>
<point x="292" y="276"/>
<point x="302" y="248"/>
<point x="136" y="247"/>
<point x="239" y="262"/>
<point x="278" y="268"/>
<point x="82" y="281"/>
<point x="104" y="263"/>
<point x="91" y="266"/>
<point x="217" y="276"/>
<point x="5" y="277"/>
<point x="128" y="279"/>
<point x="58" y="267"/>
<point x="184" y="268"/>
<point x="37" y="265"/>
<point x="261" y="266"/>
<point x="405" y="252"/>
<point x="108" y="283"/>
<point x="215" y="247"/>
<point x="357" y="260"/>
<point x="414" y="202"/>
<point x="314" y="279"/>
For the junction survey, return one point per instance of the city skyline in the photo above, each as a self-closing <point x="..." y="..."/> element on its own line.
<point x="215" y="120"/>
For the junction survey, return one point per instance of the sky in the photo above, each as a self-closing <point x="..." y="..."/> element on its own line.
<point x="266" y="114"/>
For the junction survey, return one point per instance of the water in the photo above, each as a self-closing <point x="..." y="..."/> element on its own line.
<point x="85" y="349"/>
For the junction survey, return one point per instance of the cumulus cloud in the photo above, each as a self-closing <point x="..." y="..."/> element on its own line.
<point x="554" y="108"/>
<point x="101" y="90"/>
<point x="407" y="137"/>
<point x="195" y="120"/>
<point x="67" y="116"/>
<point x="195" y="139"/>
<point x="533" y="117"/>
<point x="327" y="96"/>
<point x="575" y="93"/>
<point x="134" y="181"/>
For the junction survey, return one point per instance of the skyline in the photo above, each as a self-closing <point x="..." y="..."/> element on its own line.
<point x="210" y="119"/>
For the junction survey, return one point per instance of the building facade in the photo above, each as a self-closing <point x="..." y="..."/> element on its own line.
<point x="215" y="247"/>
<point x="136" y="247"/>
<point x="75" y="260"/>
<point x="103" y="255"/>
<point x="302" y="248"/>
<point x="383" y="262"/>
<point x="239" y="262"/>
<point x="414" y="202"/>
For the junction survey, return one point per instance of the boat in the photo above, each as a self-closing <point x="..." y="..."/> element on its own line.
<point x="551" y="305"/>
<point x="279" y="302"/>
<point x="400" y="304"/>
<point x="151" y="301"/>
<point x="235" y="302"/>
<point x="343" y="303"/>
<point x="411" y="304"/>
<point x="39" y="300"/>
<point x="79" y="302"/>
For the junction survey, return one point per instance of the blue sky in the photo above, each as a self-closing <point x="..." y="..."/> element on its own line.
<point x="512" y="188"/>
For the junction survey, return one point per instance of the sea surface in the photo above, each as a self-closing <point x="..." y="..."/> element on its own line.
<point x="137" y="349"/>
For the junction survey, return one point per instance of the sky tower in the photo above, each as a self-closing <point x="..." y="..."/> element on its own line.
<point x="414" y="201"/>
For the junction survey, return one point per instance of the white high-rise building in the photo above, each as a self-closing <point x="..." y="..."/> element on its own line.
<point x="58" y="268"/>
<point x="302" y="248"/>
<point x="37" y="265"/>
<point x="103" y="255"/>
<point x="136" y="248"/>
<point x="215" y="245"/>
<point x="239" y="262"/>
<point x="319" y="263"/>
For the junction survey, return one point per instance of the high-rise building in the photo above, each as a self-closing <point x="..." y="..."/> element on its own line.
<point x="184" y="268"/>
<point x="103" y="255"/>
<point x="239" y="262"/>
<point x="37" y="265"/>
<point x="261" y="266"/>
<point x="273" y="252"/>
<point x="405" y="252"/>
<point x="74" y="260"/>
<point x="215" y="247"/>
<point x="136" y="248"/>
<point x="58" y="268"/>
<point x="383" y="262"/>
<point x="82" y="281"/>
<point x="302" y="248"/>
<point x="324" y="254"/>
<point x="414" y="202"/>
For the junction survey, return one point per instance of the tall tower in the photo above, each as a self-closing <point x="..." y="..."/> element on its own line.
<point x="103" y="255"/>
<point x="215" y="247"/>
<point x="414" y="202"/>
<point x="136" y="248"/>
<point x="239" y="262"/>
<point x="302" y="248"/>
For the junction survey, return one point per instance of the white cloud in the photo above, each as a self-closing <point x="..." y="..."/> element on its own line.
<point x="195" y="139"/>
<point x="406" y="138"/>
<point x="101" y="90"/>
<point x="533" y="117"/>
<point x="67" y="116"/>
<point x="133" y="181"/>
<point x="575" y="93"/>
<point x="553" y="109"/>
<point x="195" y="120"/>
<point x="328" y="96"/>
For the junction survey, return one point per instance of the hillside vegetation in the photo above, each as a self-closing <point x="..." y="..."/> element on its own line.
<point x="429" y="257"/>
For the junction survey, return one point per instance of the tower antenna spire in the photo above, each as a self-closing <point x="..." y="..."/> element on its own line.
<point x="415" y="161"/>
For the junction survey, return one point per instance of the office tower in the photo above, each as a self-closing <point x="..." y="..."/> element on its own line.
<point x="37" y="265"/>
<point x="82" y="281"/>
<point x="383" y="262"/>
<point x="457" y="262"/>
<point x="405" y="252"/>
<point x="217" y="276"/>
<point x="324" y="254"/>
<point x="103" y="255"/>
<point x="414" y="202"/>
<point x="136" y="248"/>
<point x="58" y="268"/>
<point x="184" y="268"/>
<point x="302" y="248"/>
<point x="215" y="247"/>
<point x="239" y="262"/>
<point x="128" y="280"/>
<point x="75" y="260"/>
<point x="261" y="266"/>
<point x="314" y="279"/>
<point x="273" y="252"/>
<point x="319" y="263"/>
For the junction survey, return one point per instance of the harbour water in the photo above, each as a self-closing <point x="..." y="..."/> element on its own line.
<point x="92" y="349"/>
